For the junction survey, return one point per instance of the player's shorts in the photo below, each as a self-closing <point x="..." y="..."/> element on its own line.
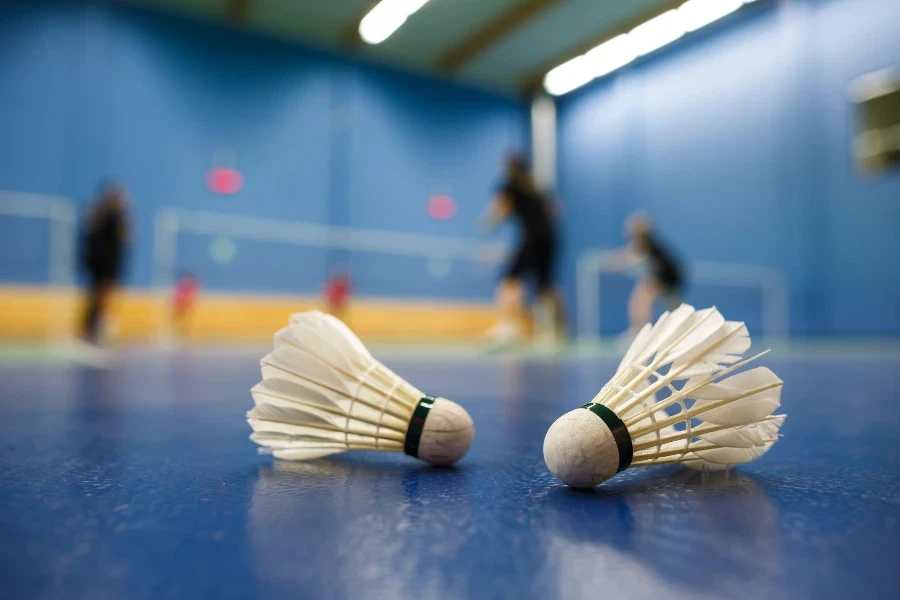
<point x="534" y="257"/>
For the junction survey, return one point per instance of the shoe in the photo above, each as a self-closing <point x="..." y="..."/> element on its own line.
<point x="504" y="334"/>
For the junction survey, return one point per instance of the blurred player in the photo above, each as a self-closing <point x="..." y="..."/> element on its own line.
<point x="519" y="199"/>
<point x="337" y="293"/>
<point x="104" y="246"/>
<point x="662" y="275"/>
<point x="187" y="288"/>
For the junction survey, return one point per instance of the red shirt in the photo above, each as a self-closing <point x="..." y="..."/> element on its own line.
<point x="337" y="290"/>
<point x="186" y="291"/>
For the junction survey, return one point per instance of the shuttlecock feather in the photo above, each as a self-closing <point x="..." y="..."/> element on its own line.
<point x="711" y="418"/>
<point x="322" y="392"/>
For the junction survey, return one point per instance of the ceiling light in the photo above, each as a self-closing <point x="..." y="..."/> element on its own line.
<point x="697" y="13"/>
<point x="641" y="40"/>
<point x="611" y="55"/>
<point x="568" y="76"/>
<point x="386" y="18"/>
<point x="656" y="33"/>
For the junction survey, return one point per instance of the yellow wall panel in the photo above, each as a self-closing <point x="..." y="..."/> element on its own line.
<point x="40" y="312"/>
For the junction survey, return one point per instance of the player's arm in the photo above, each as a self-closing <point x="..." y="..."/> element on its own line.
<point x="623" y="259"/>
<point x="496" y="212"/>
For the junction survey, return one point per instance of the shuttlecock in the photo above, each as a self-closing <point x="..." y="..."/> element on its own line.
<point x="322" y="392"/>
<point x="717" y="421"/>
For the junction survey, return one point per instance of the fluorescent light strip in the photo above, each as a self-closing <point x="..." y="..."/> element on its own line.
<point x="657" y="32"/>
<point x="697" y="13"/>
<point x="568" y="76"/>
<point x="611" y="55"/>
<point x="386" y="18"/>
<point x="642" y="40"/>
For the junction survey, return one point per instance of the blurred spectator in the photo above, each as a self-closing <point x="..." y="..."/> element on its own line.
<point x="337" y="292"/>
<point x="187" y="288"/>
<point x="104" y="245"/>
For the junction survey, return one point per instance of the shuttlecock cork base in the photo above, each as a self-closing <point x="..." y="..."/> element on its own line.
<point x="587" y="446"/>
<point x="440" y="432"/>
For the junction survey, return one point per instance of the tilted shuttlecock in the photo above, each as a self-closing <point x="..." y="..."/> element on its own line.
<point x="322" y="392"/>
<point x="717" y="420"/>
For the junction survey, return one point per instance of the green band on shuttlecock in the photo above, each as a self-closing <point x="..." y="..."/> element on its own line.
<point x="416" y="424"/>
<point x="619" y="431"/>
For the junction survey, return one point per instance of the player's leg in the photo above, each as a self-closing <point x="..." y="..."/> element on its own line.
<point x="550" y="314"/>
<point x="672" y="297"/>
<point x="510" y="297"/>
<point x="93" y="309"/>
<point x="510" y="294"/>
<point x="640" y="305"/>
<point x="179" y="317"/>
<point x="104" y="303"/>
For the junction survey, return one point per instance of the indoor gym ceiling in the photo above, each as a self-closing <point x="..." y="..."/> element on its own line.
<point x="505" y="45"/>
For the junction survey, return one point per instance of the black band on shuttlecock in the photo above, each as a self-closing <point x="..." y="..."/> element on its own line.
<point x="619" y="431"/>
<point x="416" y="424"/>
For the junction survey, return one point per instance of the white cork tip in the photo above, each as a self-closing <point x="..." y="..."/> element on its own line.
<point x="580" y="449"/>
<point x="447" y="433"/>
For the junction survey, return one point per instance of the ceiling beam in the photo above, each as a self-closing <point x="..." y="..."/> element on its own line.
<point x="238" y="11"/>
<point x="532" y="82"/>
<point x="492" y="32"/>
<point x="350" y="38"/>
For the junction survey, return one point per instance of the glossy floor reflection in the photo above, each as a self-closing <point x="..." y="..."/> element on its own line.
<point x="139" y="481"/>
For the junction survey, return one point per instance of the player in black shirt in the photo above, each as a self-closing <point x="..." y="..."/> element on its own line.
<point x="662" y="273"/>
<point x="103" y="253"/>
<point x="520" y="200"/>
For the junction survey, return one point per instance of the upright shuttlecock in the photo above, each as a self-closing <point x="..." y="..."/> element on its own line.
<point x="322" y="393"/>
<point x="716" y="421"/>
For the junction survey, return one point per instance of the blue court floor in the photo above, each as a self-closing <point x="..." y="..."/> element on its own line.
<point x="138" y="481"/>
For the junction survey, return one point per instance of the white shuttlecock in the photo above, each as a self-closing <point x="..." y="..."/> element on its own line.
<point x="322" y="392"/>
<point x="720" y="421"/>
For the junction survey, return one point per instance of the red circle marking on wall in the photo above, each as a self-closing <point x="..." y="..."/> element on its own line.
<point x="224" y="181"/>
<point x="441" y="208"/>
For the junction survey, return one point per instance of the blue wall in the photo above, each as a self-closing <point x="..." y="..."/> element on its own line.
<point x="737" y="140"/>
<point x="90" y="91"/>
